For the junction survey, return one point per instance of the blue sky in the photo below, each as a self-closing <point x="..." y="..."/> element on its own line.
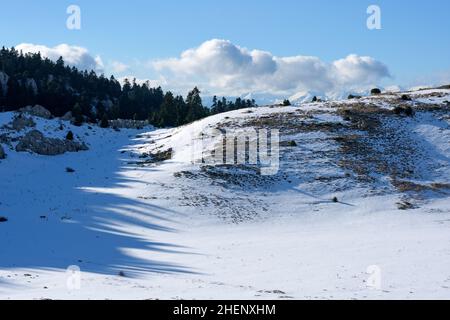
<point x="413" y="43"/>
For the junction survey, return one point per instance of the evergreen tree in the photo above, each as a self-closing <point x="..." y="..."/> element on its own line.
<point x="77" y="115"/>
<point x="214" y="105"/>
<point x="104" y="123"/>
<point x="168" y="114"/>
<point x="69" y="136"/>
<point x="181" y="108"/>
<point x="195" y="107"/>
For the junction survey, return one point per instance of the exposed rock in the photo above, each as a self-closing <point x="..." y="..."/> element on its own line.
<point x="67" y="117"/>
<point x="34" y="141"/>
<point x="291" y="143"/>
<point x="31" y="84"/>
<point x="405" y="205"/>
<point x="21" y="122"/>
<point x="128" y="124"/>
<point x="38" y="111"/>
<point x="2" y="152"/>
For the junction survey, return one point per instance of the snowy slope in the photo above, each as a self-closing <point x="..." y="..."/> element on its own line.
<point x="140" y="229"/>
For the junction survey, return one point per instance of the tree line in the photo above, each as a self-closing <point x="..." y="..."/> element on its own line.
<point x="33" y="79"/>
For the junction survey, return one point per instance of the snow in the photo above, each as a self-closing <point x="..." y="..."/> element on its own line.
<point x="141" y="232"/>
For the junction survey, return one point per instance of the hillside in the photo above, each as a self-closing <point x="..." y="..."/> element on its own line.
<point x="360" y="183"/>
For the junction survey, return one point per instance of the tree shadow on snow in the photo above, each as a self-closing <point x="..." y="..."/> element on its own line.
<point x="86" y="219"/>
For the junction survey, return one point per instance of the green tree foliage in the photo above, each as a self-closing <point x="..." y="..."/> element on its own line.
<point x="104" y="123"/>
<point x="77" y="114"/>
<point x="168" y="113"/>
<point x="375" y="91"/>
<point x="195" y="109"/>
<point x="224" y="105"/>
<point x="69" y="136"/>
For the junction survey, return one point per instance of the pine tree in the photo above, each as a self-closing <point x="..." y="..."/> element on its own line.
<point x="168" y="114"/>
<point x="214" y="105"/>
<point x="195" y="106"/>
<point x="104" y="123"/>
<point x="181" y="110"/>
<point x="100" y="110"/>
<point x="77" y="115"/>
<point x="69" y="136"/>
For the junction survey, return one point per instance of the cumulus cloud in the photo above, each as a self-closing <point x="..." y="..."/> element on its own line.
<point x="119" y="67"/>
<point x="221" y="66"/>
<point x="72" y="55"/>
<point x="355" y="69"/>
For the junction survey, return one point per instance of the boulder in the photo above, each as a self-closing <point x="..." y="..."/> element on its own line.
<point x="2" y="152"/>
<point x="37" y="111"/>
<point x="35" y="141"/>
<point x="67" y="117"/>
<point x="21" y="122"/>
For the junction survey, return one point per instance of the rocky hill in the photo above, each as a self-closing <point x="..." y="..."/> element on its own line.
<point x="349" y="187"/>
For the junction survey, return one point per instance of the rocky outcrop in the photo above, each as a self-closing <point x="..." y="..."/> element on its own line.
<point x="36" y="142"/>
<point x="21" y="122"/>
<point x="2" y="152"/>
<point x="37" y="111"/>
<point x="67" y="117"/>
<point x="128" y="124"/>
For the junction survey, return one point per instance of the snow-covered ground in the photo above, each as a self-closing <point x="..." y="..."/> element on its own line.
<point x="178" y="230"/>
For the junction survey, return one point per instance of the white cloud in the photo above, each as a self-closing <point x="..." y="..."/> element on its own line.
<point x="225" y="68"/>
<point x="72" y="55"/>
<point x="355" y="69"/>
<point x="119" y="67"/>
